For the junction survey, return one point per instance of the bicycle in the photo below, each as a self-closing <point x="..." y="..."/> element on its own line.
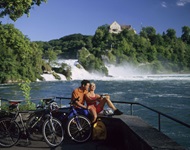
<point x="11" y="130"/>
<point x="79" y="132"/>
<point x="36" y="119"/>
<point x="77" y="125"/>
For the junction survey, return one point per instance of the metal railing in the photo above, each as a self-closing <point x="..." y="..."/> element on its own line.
<point x="131" y="111"/>
<point x="158" y="112"/>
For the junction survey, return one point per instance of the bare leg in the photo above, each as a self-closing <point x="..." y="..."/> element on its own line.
<point x="108" y="101"/>
<point x="110" y="104"/>
<point x="92" y="109"/>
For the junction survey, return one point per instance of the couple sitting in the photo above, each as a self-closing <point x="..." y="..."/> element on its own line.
<point x="95" y="102"/>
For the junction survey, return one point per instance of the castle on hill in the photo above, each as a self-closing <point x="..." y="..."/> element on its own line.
<point x="117" y="28"/>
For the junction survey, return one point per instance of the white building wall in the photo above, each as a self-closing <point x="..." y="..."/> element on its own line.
<point x="115" y="28"/>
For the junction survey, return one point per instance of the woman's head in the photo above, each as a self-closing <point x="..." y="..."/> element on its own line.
<point x="92" y="86"/>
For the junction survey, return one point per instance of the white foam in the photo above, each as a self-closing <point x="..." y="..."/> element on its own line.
<point x="122" y="72"/>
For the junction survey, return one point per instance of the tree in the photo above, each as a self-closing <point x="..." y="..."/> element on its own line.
<point x="186" y="34"/>
<point x="151" y="53"/>
<point x="90" y="62"/>
<point x="51" y="55"/>
<point x="148" y="33"/>
<point x="171" y="34"/>
<point x="98" y="38"/>
<point x="16" y="8"/>
<point x="149" y="47"/>
<point x="8" y="65"/>
<point x="22" y="58"/>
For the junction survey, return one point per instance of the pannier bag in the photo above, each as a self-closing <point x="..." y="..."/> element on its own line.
<point x="99" y="130"/>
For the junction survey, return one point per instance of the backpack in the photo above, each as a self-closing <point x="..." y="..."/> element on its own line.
<point x="99" y="130"/>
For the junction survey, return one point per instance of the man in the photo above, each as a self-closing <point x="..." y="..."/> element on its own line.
<point x="80" y="92"/>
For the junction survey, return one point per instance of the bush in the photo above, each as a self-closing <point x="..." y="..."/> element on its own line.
<point x="28" y="105"/>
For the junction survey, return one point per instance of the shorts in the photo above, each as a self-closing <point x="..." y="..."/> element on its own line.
<point x="98" y="108"/>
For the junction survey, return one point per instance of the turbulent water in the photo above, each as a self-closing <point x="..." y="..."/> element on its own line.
<point x="169" y="94"/>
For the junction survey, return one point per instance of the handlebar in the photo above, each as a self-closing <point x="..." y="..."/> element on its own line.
<point x="74" y="101"/>
<point x="53" y="106"/>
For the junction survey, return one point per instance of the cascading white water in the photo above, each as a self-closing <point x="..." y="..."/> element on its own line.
<point x="121" y="72"/>
<point x="78" y="73"/>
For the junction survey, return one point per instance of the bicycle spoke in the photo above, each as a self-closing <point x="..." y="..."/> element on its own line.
<point x="79" y="129"/>
<point x="53" y="132"/>
<point x="9" y="133"/>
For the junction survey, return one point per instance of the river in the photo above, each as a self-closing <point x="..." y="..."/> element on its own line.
<point x="169" y="94"/>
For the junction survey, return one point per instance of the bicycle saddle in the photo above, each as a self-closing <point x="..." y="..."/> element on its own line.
<point x="15" y="102"/>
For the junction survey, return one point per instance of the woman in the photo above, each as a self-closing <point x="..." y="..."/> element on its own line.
<point x="95" y="102"/>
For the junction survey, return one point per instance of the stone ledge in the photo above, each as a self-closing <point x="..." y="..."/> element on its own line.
<point x="137" y="134"/>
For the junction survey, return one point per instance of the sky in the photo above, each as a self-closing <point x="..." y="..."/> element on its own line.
<point x="59" y="18"/>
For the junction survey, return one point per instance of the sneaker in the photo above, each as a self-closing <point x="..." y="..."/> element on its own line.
<point x="118" y="112"/>
<point x="108" y="112"/>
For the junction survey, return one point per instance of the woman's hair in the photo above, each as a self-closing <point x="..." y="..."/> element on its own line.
<point x="92" y="84"/>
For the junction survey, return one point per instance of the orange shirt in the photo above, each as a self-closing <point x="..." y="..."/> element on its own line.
<point x="79" y="93"/>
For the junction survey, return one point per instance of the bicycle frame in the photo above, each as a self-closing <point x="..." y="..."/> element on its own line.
<point x="18" y="115"/>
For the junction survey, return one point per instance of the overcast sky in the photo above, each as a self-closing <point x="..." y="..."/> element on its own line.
<point x="58" y="18"/>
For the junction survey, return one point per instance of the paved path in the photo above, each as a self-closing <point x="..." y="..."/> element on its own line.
<point x="66" y="145"/>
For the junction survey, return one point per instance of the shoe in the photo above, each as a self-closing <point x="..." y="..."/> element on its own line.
<point x="118" y="112"/>
<point x="108" y="112"/>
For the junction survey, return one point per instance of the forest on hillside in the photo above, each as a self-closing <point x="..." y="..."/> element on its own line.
<point x="157" y="53"/>
<point x="22" y="59"/>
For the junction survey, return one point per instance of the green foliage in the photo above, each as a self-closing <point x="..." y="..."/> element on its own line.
<point x="56" y="76"/>
<point x="68" y="45"/>
<point x="65" y="70"/>
<point x="19" y="58"/>
<point x="16" y="8"/>
<point x="25" y="88"/>
<point x="145" y="48"/>
<point x="90" y="62"/>
<point x="4" y="107"/>
<point x="185" y="37"/>
<point x="51" y="55"/>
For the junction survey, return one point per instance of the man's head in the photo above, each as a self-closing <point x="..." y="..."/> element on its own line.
<point x="85" y="84"/>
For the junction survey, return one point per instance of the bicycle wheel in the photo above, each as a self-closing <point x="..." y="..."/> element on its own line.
<point x="9" y="132"/>
<point x="79" y="129"/>
<point x="53" y="132"/>
<point x="34" y="127"/>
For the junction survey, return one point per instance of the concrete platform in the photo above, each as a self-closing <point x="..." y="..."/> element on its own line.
<point x="124" y="132"/>
<point x="136" y="134"/>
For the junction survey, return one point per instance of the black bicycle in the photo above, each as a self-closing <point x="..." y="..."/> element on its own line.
<point x="12" y="128"/>
<point x="74" y="120"/>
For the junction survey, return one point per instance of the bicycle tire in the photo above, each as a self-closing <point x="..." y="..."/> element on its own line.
<point x="10" y="132"/>
<point x="34" y="127"/>
<point x="79" y="129"/>
<point x="53" y="138"/>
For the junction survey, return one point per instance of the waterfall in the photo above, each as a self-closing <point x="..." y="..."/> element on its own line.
<point x="121" y="72"/>
<point x="78" y="73"/>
